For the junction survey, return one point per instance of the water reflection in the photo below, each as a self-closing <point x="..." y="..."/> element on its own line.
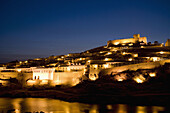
<point x="21" y="105"/>
<point x="141" y="109"/>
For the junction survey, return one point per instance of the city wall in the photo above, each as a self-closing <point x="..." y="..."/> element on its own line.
<point x="8" y="75"/>
<point x="120" y="41"/>
<point x="136" y="37"/>
<point x="70" y="78"/>
<point x="148" y="65"/>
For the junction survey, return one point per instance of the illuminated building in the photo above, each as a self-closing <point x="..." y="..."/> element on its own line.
<point x="41" y="74"/>
<point x="136" y="38"/>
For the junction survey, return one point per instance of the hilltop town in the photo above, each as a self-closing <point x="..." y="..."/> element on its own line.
<point x="131" y="71"/>
<point x="110" y="60"/>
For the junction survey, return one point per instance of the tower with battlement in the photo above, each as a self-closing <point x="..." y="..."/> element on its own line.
<point x="136" y="38"/>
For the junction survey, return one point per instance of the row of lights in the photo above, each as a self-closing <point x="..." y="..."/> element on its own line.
<point x="140" y="78"/>
<point x="104" y="65"/>
<point x="117" y="43"/>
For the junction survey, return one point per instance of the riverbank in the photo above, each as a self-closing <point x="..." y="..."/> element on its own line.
<point x="95" y="93"/>
<point x="105" y="90"/>
<point x="139" y="99"/>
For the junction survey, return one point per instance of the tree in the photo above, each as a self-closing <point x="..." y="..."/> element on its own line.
<point x="156" y="42"/>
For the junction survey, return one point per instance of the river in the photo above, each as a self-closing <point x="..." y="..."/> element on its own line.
<point x="46" y="105"/>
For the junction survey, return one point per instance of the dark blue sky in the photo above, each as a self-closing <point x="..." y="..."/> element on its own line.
<point x="40" y="28"/>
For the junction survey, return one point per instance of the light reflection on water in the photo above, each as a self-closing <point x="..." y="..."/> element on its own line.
<point x="21" y="105"/>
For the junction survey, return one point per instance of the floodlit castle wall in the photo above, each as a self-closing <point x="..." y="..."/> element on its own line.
<point x="148" y="65"/>
<point x="122" y="41"/>
<point x="136" y="38"/>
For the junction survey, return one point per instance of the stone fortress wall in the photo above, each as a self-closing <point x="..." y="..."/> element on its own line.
<point x="148" y="65"/>
<point x="136" y="37"/>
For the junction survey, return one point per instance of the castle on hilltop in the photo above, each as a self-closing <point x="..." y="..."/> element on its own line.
<point x="136" y="38"/>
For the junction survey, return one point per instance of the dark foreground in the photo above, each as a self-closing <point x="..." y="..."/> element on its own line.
<point x="139" y="99"/>
<point x="155" y="91"/>
<point x="104" y="93"/>
<point x="48" y="105"/>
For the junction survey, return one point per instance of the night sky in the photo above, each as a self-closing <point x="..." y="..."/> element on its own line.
<point x="41" y="28"/>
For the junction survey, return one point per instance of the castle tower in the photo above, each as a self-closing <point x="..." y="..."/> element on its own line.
<point x="167" y="42"/>
<point x="136" y="36"/>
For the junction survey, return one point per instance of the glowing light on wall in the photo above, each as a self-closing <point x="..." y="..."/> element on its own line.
<point x="109" y="53"/>
<point x="85" y="70"/>
<point x="95" y="66"/>
<point x="93" y="77"/>
<point x="106" y="65"/>
<point x="124" y="53"/>
<point x="131" y="44"/>
<point x="59" y="59"/>
<point x="161" y="52"/>
<point x="68" y="69"/>
<point x="31" y="82"/>
<point x="155" y="59"/>
<point x="19" y="70"/>
<point x="139" y="79"/>
<point x="116" y="43"/>
<point x="148" y="57"/>
<point x="125" y="41"/>
<point x="152" y="74"/>
<point x="107" y="59"/>
<point x="130" y="59"/>
<point x="120" y="77"/>
<point x="135" y="55"/>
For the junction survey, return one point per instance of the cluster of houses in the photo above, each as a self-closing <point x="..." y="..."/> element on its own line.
<point x="118" y="55"/>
